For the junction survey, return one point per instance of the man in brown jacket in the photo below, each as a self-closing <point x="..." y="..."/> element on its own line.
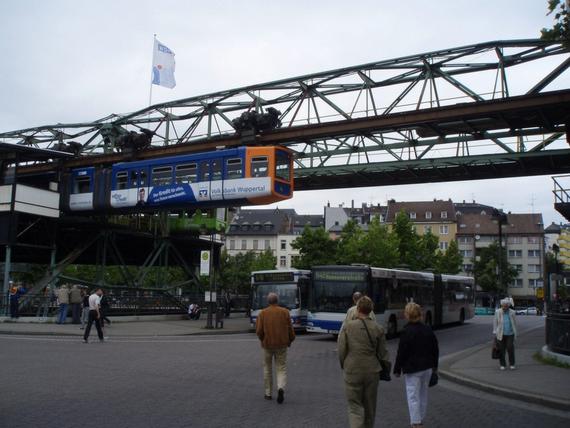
<point x="275" y="331"/>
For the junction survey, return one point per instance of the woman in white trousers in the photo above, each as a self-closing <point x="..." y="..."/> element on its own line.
<point x="417" y="358"/>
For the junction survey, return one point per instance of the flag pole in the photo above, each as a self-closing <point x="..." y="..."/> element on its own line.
<point x="151" y="73"/>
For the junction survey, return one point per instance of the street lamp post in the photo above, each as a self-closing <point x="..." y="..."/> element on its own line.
<point x="501" y="219"/>
<point x="209" y="321"/>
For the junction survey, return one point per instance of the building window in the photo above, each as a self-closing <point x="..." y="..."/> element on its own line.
<point x="533" y="268"/>
<point x="534" y="253"/>
<point x="517" y="283"/>
<point x="267" y="245"/>
<point x="428" y="215"/>
<point x="283" y="261"/>
<point x="515" y="253"/>
<point x="443" y="230"/>
<point x="283" y="244"/>
<point x="444" y="214"/>
<point x="243" y="244"/>
<point x="232" y="244"/>
<point x="427" y="229"/>
<point x="466" y="253"/>
<point x="533" y="240"/>
<point x="519" y="268"/>
<point x="443" y="245"/>
<point x="255" y="244"/>
<point x="412" y="215"/>
<point x="467" y="268"/>
<point x="465" y="239"/>
<point x="515" y="240"/>
<point x="534" y="283"/>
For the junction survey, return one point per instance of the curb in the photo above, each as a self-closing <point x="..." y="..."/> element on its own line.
<point x="212" y="332"/>
<point x="448" y="374"/>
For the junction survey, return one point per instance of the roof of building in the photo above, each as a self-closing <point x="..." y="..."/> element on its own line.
<point x="472" y="207"/>
<point x="20" y="152"/>
<point x="487" y="224"/>
<point x="420" y="208"/>
<point x="261" y="222"/>
<point x="553" y="228"/>
<point x="313" y="220"/>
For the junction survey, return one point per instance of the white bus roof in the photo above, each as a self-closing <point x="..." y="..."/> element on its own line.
<point x="398" y="273"/>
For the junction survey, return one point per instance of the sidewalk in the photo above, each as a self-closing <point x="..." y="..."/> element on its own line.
<point x="532" y="381"/>
<point x="237" y="323"/>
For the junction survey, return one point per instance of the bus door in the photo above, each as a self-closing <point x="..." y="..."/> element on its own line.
<point x="204" y="182"/>
<point x="216" y="182"/>
<point x="438" y="300"/>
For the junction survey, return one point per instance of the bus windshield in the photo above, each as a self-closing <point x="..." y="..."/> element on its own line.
<point x="288" y="296"/>
<point x="332" y="290"/>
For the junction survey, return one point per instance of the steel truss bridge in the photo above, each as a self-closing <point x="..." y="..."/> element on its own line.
<point x="472" y="112"/>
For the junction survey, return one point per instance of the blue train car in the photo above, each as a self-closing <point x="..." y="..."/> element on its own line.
<point x="240" y="176"/>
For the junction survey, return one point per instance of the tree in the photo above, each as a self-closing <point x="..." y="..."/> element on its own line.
<point x="380" y="246"/>
<point x="427" y="254"/>
<point x="263" y="261"/>
<point x="486" y="270"/>
<point x="450" y="262"/>
<point x="350" y="247"/>
<point x="561" y="29"/>
<point x="408" y="240"/>
<point x="235" y="271"/>
<point x="315" y="248"/>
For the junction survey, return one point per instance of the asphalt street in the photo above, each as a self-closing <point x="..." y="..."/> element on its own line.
<point x="216" y="381"/>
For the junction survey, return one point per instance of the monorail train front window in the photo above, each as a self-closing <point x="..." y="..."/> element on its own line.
<point x="216" y="169"/>
<point x="82" y="185"/>
<point x="122" y="180"/>
<point x="259" y="166"/>
<point x="282" y="166"/>
<point x="186" y="173"/>
<point x="162" y="176"/>
<point x="234" y="169"/>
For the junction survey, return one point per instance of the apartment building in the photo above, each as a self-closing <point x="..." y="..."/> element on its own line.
<point x="523" y="238"/>
<point x="437" y="217"/>
<point x="335" y="218"/>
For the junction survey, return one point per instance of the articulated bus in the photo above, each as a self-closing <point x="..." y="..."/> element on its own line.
<point x="290" y="285"/>
<point x="444" y="298"/>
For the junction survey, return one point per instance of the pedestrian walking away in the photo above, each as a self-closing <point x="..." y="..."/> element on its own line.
<point x="417" y="358"/>
<point x="63" y="300"/>
<point x="85" y="308"/>
<point x="352" y="312"/>
<point x="75" y="302"/>
<point x="505" y="331"/>
<point x="362" y="352"/>
<point x="16" y="290"/>
<point x="275" y="331"/>
<point x="104" y="307"/>
<point x="94" y="315"/>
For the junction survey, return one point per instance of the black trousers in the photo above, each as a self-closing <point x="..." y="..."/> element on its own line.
<point x="507" y="344"/>
<point x="93" y="319"/>
<point x="14" y="308"/>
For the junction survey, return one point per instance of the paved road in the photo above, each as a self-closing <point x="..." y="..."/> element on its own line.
<point x="217" y="382"/>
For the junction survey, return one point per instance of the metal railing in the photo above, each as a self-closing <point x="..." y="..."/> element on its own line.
<point x="558" y="332"/>
<point x="561" y="191"/>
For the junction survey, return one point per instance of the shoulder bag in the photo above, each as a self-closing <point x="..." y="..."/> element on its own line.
<point x="385" y="365"/>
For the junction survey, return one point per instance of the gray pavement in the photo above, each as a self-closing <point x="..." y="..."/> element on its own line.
<point x="216" y="381"/>
<point x="532" y="381"/>
<point x="173" y="326"/>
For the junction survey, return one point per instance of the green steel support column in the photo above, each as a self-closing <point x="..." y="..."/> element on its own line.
<point x="7" y="267"/>
<point x="52" y="267"/>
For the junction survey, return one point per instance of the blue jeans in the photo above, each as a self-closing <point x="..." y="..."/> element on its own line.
<point x="62" y="313"/>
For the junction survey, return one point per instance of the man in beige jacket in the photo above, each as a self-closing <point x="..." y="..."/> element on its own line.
<point x="275" y="331"/>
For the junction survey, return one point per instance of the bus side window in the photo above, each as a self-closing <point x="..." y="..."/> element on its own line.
<point x="82" y="185"/>
<point x="259" y="166"/>
<point x="186" y="173"/>
<point x="122" y="180"/>
<point x="205" y="171"/>
<point x="216" y="169"/>
<point x="234" y="169"/>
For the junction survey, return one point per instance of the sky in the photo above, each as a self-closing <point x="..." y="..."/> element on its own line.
<point x="69" y="61"/>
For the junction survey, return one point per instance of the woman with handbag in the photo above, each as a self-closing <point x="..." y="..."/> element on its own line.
<point x="418" y="355"/>
<point x="362" y="353"/>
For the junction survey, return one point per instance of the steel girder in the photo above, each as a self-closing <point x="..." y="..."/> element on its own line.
<point x="446" y="79"/>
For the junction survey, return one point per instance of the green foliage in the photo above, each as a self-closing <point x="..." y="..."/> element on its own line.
<point x="560" y="31"/>
<point x="450" y="262"/>
<point x="315" y="248"/>
<point x="350" y="247"/>
<point x="380" y="246"/>
<point x="486" y="269"/>
<point x="235" y="271"/>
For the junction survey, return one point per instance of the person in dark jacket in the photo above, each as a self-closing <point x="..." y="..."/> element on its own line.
<point x="417" y="358"/>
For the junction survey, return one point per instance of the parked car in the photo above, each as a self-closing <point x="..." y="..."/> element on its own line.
<point x="532" y="311"/>
<point x="521" y="311"/>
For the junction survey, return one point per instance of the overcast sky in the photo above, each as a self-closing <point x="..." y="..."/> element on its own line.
<point x="68" y="61"/>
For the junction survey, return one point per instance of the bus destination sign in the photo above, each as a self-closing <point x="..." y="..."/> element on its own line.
<point x="340" y="275"/>
<point x="274" y="277"/>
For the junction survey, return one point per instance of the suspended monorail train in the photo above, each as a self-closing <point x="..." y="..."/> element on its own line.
<point x="230" y="177"/>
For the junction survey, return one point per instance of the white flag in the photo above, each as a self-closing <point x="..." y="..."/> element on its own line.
<point x="163" y="66"/>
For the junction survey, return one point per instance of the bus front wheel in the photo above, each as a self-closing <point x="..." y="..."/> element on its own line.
<point x="392" y="327"/>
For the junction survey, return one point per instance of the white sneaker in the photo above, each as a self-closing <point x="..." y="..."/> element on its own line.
<point x="512" y="367"/>
<point x="502" y="368"/>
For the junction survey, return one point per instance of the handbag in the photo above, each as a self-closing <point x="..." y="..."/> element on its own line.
<point x="433" y="379"/>
<point x="385" y="365"/>
<point x="495" y="351"/>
